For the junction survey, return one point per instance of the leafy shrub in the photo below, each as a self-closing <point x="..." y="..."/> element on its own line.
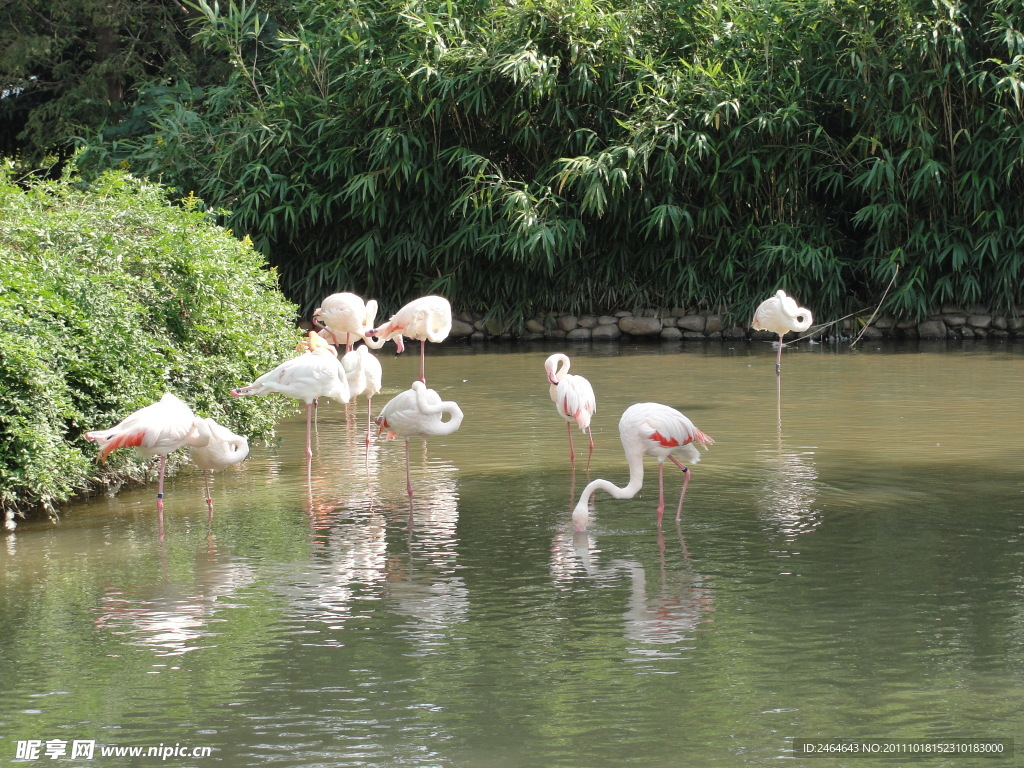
<point x="110" y="296"/>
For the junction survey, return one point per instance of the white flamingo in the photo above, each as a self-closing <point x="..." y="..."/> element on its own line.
<point x="364" y="374"/>
<point x="573" y="398"/>
<point x="306" y="377"/>
<point x="648" y="429"/>
<point x="156" y="430"/>
<point x="428" y="319"/>
<point x="418" y="411"/>
<point x="345" y="318"/>
<point x="780" y="314"/>
<point x="223" y="449"/>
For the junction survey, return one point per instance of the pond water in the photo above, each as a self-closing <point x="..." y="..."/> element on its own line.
<point x="849" y="564"/>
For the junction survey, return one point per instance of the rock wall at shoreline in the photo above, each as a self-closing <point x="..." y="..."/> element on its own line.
<point x="951" y="322"/>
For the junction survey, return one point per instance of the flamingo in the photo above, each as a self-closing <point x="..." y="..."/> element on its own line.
<point x="344" y="316"/>
<point x="648" y="429"/>
<point x="364" y="374"/>
<point x="428" y="319"/>
<point x="574" y="399"/>
<point x="780" y="314"/>
<point x="156" y="430"/>
<point x="223" y="449"/>
<point x="418" y="411"/>
<point x="306" y="377"/>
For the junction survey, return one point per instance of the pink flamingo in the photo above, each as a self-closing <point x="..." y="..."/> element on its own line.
<point x="345" y="318"/>
<point x="223" y="449"/>
<point x="306" y="377"/>
<point x="573" y="398"/>
<point x="156" y="430"/>
<point x="648" y="429"/>
<point x="780" y="314"/>
<point x="418" y="412"/>
<point x="428" y="319"/>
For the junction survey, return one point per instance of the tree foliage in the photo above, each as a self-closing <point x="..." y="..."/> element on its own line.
<point x="589" y="155"/>
<point x="110" y="297"/>
<point x="69" y="68"/>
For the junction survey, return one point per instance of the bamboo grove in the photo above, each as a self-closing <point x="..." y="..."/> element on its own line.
<point x="522" y="156"/>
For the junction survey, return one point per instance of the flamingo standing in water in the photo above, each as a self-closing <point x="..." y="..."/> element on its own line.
<point x="364" y="378"/>
<point x="223" y="449"/>
<point x="428" y="319"/>
<point x="780" y="314"/>
<point x="573" y="398"/>
<point x="648" y="429"/>
<point x="418" y="412"/>
<point x="313" y="374"/>
<point x="156" y="430"/>
<point x="345" y="318"/>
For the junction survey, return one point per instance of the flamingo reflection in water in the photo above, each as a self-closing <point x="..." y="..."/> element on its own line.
<point x="665" y="611"/>
<point x="172" y="618"/>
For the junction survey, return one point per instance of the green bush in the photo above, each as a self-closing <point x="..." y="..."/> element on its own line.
<point x="110" y="296"/>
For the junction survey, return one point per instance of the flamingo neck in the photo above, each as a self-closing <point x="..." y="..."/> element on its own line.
<point x="200" y="434"/>
<point x="449" y="407"/>
<point x="558" y="371"/>
<point x="581" y="514"/>
<point x="454" y="421"/>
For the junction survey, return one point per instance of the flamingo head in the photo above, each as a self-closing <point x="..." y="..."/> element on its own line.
<point x="552" y="369"/>
<point x="386" y="332"/>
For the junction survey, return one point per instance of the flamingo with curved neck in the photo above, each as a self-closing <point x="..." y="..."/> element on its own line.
<point x="418" y="412"/>
<point x="780" y="314"/>
<point x="223" y="449"/>
<point x="574" y="400"/>
<point x="648" y="429"/>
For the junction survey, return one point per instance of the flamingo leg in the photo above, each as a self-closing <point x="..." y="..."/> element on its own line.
<point x="661" y="491"/>
<point x="591" y="436"/>
<point x="686" y="482"/>
<point x="778" y="360"/>
<point x="206" y="482"/>
<point x="160" y="485"/>
<point x="423" y="359"/>
<point x="572" y="450"/>
<point x="408" y="479"/>
<point x="309" y="430"/>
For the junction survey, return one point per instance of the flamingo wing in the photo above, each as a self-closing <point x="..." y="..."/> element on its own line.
<point x="157" y="429"/>
<point x="575" y="400"/>
<point x="665" y="431"/>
